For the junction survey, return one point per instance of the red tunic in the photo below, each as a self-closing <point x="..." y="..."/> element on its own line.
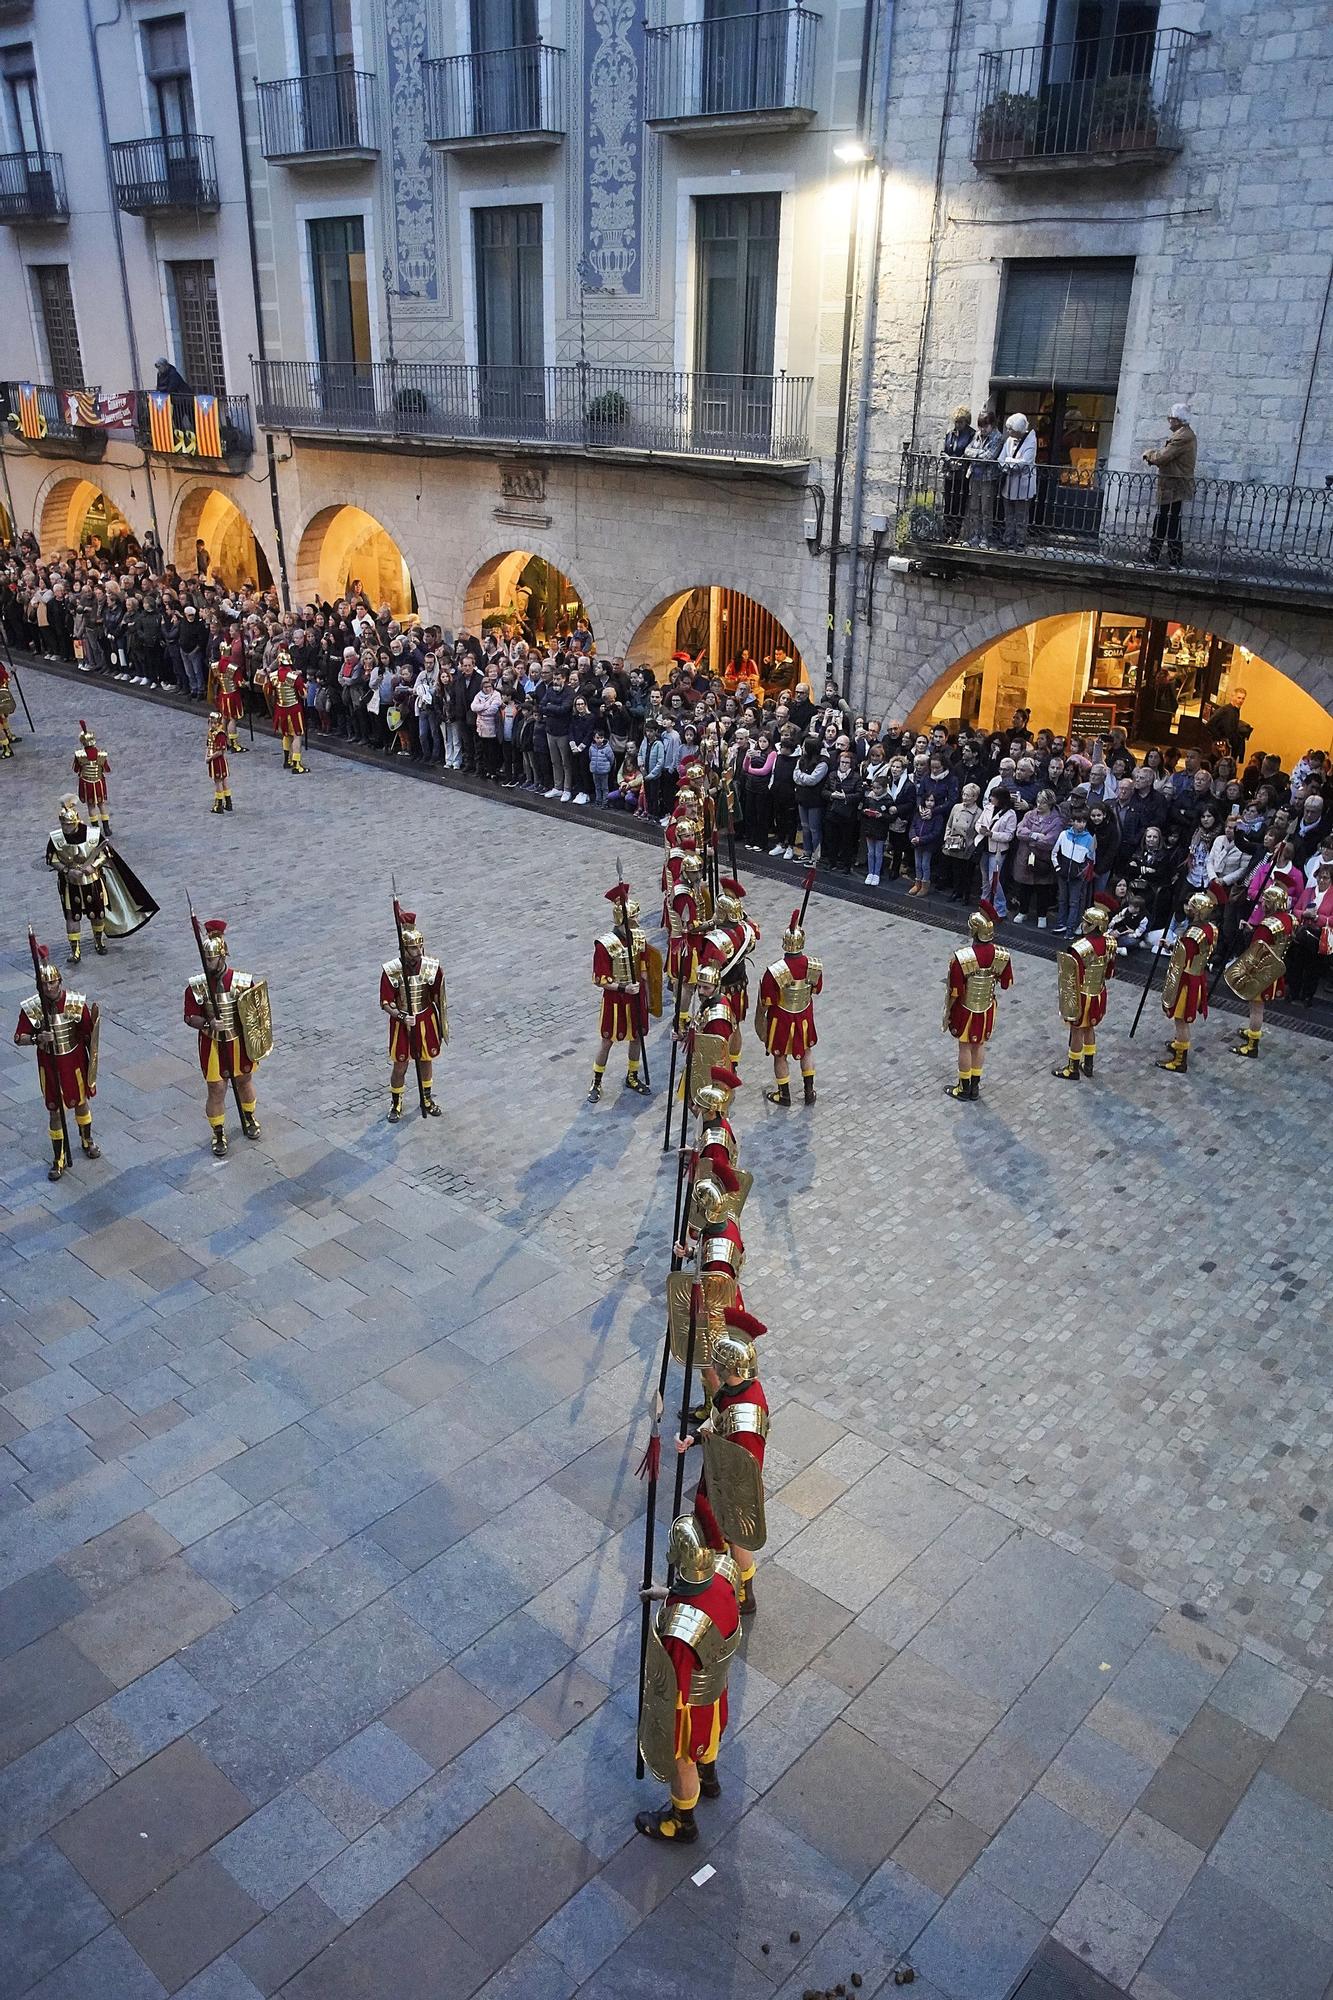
<point x="751" y="1392"/>
<point x="91" y="773"/>
<point x="1191" y="1002"/>
<point x="624" y="1013"/>
<point x="787" y="1033"/>
<point x="420" y="1041"/>
<point x="229" y="670"/>
<point x="700" y="1730"/>
<point x="963" y="1023"/>
<point x="288" y="702"/>
<point x="64" y="1078"/>
<point x="1092" y="1007"/>
<point x="217" y="757"/>
<point x="219" y="1059"/>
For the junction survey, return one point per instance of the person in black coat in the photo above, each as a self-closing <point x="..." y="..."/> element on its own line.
<point x="842" y="814"/>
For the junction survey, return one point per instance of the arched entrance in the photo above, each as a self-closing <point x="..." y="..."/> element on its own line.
<point x="720" y="624"/>
<point x="525" y="592"/>
<point x="74" y="510"/>
<point x="1158" y="678"/>
<point x="345" y="549"/>
<point x="212" y="517"/>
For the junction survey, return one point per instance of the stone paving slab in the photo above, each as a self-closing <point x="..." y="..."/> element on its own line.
<point x="319" y="1533"/>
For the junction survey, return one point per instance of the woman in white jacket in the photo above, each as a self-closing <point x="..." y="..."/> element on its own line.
<point x="1018" y="478"/>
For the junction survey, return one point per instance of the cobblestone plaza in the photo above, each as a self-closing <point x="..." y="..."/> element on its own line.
<point x="319" y="1531"/>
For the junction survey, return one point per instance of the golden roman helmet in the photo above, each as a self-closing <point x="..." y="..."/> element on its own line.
<point x="793" y="938"/>
<point x="70" y="813"/>
<point x="982" y="922"/>
<point x="632" y="910"/>
<point x="1098" y="915"/>
<point x="50" y="979"/>
<point x="712" y="1097"/>
<point x="708" y="982"/>
<point x="687" y="803"/>
<point x="731" y="1354"/>
<point x="215" y="943"/>
<point x="213" y="718"/>
<point x="708" y="1201"/>
<point x="730" y="895"/>
<point x="688" y="1554"/>
<point x="1275" y="899"/>
<point x="411" y="938"/>
<point x="1201" y="907"/>
<point x="691" y="868"/>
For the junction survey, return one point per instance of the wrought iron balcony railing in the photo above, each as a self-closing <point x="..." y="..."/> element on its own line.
<point x="32" y="188"/>
<point x="496" y="97"/>
<point x="1081" y="103"/>
<point x="1234" y="533"/>
<point x="314" y="118"/>
<point x="173" y="171"/>
<point x="39" y="413"/>
<point x="755" y="69"/>
<point x="214" y="429"/>
<point x="639" y="411"/>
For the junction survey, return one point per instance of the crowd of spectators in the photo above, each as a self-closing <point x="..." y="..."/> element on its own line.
<point x="1033" y="822"/>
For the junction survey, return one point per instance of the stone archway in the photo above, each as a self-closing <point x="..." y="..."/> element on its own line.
<point x="490" y="564"/>
<point x="342" y="546"/>
<point x="521" y="586"/>
<point x="62" y="510"/>
<point x="657" y="610"/>
<point x="709" y="616"/>
<point x="209" y="515"/>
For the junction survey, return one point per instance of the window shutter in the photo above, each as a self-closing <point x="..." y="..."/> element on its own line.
<point x="1064" y="322"/>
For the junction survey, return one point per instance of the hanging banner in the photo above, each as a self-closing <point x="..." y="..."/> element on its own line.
<point x="31" y="421"/>
<point x="89" y="411"/>
<point x="207" y="427"/>
<point x="161" y="431"/>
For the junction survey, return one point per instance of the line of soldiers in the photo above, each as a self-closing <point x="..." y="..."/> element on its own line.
<point x="711" y="1549"/>
<point x="981" y="970"/>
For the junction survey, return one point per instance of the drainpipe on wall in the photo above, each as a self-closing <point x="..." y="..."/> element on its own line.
<point x="93" y="32"/>
<point x="274" y="502"/>
<point x="845" y="359"/>
<point x="870" y="321"/>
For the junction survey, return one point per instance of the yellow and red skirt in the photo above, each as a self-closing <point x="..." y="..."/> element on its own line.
<point x="699" y="1731"/>
<point x="92" y="791"/>
<point x="64" y="1079"/>
<point x="965" y="1025"/>
<point x="220" y="1061"/>
<point x="621" y="1017"/>
<point x="1192" y="1000"/>
<point x="1092" y="1011"/>
<point x="229" y="704"/>
<point x="418" y="1041"/>
<point x="790" y="1034"/>
<point x="289" y="720"/>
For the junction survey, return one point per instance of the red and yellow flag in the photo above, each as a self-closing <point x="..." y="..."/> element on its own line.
<point x="31" y="421"/>
<point x="207" y="428"/>
<point x="160" y="429"/>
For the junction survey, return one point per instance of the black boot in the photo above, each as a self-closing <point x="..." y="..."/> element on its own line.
<point x="809" y="1083"/>
<point x="960" y="1091"/>
<point x="75" y="951"/>
<point x="395" y="1107"/>
<point x="219" y="1145"/>
<point x="227" y="802"/>
<point x="91" y="1149"/>
<point x="218" y="806"/>
<point x="1071" y="1070"/>
<point x="1087" y="1062"/>
<point x="709" y="1784"/>
<point x="633" y="1081"/>
<point x="746" y="1604"/>
<point x="595" y="1092"/>
<point x="974" y="1086"/>
<point x="432" y="1108"/>
<point x="58" y="1161"/>
<point x="780" y="1094"/>
<point x="99" y="943"/>
<point x="249" y="1124"/>
<point x="669" y="1822"/>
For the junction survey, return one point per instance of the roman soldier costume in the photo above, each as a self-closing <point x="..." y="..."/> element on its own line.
<point x="729" y="1499"/>
<point x="1259" y="974"/>
<point x="94" y="882"/>
<point x="711" y="1027"/>
<point x="785" y="1017"/>
<point x="215" y="754"/>
<point x="6" y="710"/>
<point x="712" y="1232"/>
<point x="90" y="767"/>
<point x="683" y="1715"/>
<point x="228" y="680"/>
<point x="978" y="972"/>
<point x="1083" y="973"/>
<point x="1185" y="988"/>
<point x="230" y="1011"/>
<point x="412" y="995"/>
<point x="629" y="974"/>
<point x="685" y="922"/>
<point x="727" y="945"/>
<point x="715" y="1140"/>
<point x="288" y="686"/>
<point x="64" y="1028"/>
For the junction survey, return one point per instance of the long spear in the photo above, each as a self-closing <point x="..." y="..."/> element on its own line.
<point x="48" y="1018"/>
<point x="402" y="977"/>
<point x="14" y="676"/>
<point x="675" y="1051"/>
<point x="211" y="988"/>
<point x="809" y="885"/>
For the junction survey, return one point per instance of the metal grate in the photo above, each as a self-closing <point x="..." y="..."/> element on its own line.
<point x="55" y="303"/>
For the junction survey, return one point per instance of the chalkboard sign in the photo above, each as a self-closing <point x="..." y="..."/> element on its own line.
<point x="1094" y="718"/>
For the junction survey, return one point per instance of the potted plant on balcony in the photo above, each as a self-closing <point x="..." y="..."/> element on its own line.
<point x="607" y="412"/>
<point x="1007" y="126"/>
<point x="1124" y="118"/>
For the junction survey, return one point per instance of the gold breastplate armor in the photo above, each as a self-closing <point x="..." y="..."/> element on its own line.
<point x="1093" y="966"/>
<point x="718" y="1135"/>
<point x="733" y="1418"/>
<point x="712" y="1651"/>
<point x="65" y="1027"/>
<point x="794" y="995"/>
<point x="978" y="981"/>
<point x="80" y="858"/>
<point x="224" y="1006"/>
<point x="88" y="767"/>
<point x="416" y="990"/>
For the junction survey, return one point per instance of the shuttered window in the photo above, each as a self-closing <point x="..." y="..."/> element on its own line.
<point x="1064" y="322"/>
<point x="55" y="306"/>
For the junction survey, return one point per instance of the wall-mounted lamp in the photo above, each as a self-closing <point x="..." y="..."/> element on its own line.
<point x="852" y="153"/>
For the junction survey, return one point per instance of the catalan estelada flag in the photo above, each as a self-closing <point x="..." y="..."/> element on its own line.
<point x="207" y="429"/>
<point x="31" y="421"/>
<point x="161" y="431"/>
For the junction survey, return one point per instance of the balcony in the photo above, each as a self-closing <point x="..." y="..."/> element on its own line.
<point x="498" y="97"/>
<point x="1085" y="104"/>
<point x="214" y="431"/>
<point x="744" y="420"/>
<point x="171" y="174"/>
<point x="1240" y="540"/>
<point x="39" y="416"/>
<point x="744" y="73"/>
<point x="306" y="121"/>
<point x="32" y="188"/>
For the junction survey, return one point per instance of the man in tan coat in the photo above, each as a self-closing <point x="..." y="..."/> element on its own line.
<point x="1174" y="460"/>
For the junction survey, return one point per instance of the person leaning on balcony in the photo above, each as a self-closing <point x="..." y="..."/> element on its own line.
<point x="954" y="452"/>
<point x="1175" y="460"/>
<point x="983" y="475"/>
<point x="1018" y="478"/>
